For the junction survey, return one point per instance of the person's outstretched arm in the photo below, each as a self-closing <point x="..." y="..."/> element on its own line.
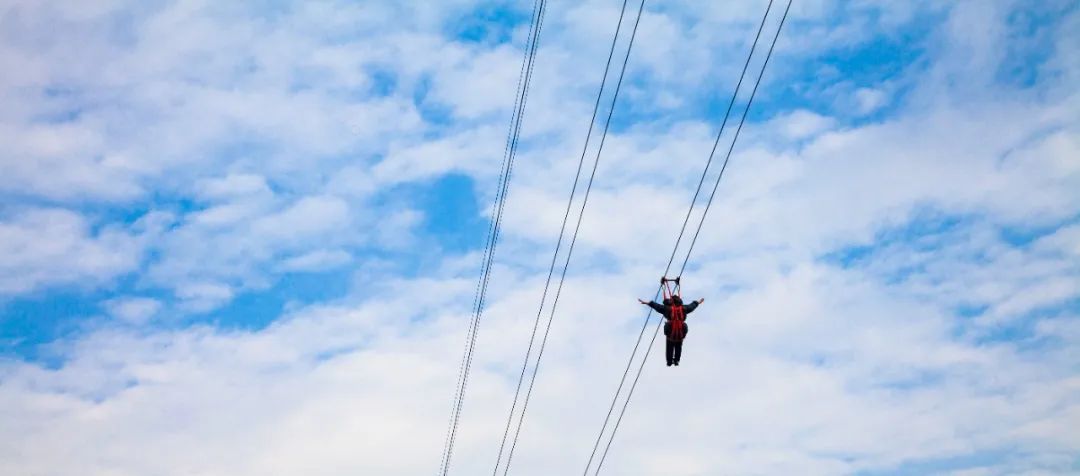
<point x="690" y="307"/>
<point x="662" y="309"/>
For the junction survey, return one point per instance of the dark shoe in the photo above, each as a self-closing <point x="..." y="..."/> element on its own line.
<point x="669" y="364"/>
<point x="676" y="363"/>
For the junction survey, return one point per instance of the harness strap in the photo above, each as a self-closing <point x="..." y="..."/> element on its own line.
<point x="677" y="319"/>
<point x="678" y="323"/>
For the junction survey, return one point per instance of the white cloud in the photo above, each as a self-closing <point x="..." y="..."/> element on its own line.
<point x="45" y="247"/>
<point x="233" y="185"/>
<point x="870" y="99"/>
<point x="377" y="377"/>
<point x="203" y="296"/>
<point x="480" y="82"/>
<point x="133" y="310"/>
<point x="317" y="260"/>
<point x="64" y="162"/>
<point x="306" y="218"/>
<point x="802" y="124"/>
<point x="235" y="244"/>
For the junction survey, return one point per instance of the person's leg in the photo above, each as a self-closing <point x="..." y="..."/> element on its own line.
<point x="669" y="350"/>
<point x="677" y="353"/>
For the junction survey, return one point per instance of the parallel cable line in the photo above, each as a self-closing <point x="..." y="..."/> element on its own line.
<point x="558" y="246"/>
<point x="746" y="111"/>
<point x="678" y="240"/>
<point x="573" y="240"/>
<point x="491" y="242"/>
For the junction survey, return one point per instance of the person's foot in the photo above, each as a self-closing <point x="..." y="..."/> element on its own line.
<point x="669" y="363"/>
<point x="676" y="363"/>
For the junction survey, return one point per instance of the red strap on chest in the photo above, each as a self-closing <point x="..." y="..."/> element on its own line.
<point x="678" y="314"/>
<point x="678" y="322"/>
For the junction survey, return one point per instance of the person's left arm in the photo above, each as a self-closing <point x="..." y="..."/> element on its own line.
<point x="690" y="307"/>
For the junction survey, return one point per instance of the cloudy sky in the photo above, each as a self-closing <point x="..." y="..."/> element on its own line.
<point x="243" y="238"/>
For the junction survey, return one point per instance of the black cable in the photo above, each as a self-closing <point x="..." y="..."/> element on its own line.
<point x="491" y="242"/>
<point x="573" y="240"/>
<point x="678" y="240"/>
<point x="501" y="206"/>
<point x="630" y="393"/>
<point x="558" y="244"/>
<point x="487" y="246"/>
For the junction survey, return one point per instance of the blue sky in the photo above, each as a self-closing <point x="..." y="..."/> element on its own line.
<point x="253" y="232"/>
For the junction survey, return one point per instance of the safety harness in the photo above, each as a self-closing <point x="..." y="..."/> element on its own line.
<point x="678" y="315"/>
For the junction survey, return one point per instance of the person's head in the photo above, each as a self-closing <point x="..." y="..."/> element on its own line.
<point x="676" y="300"/>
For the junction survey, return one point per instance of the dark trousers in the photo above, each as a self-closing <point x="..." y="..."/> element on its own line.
<point x="674" y="351"/>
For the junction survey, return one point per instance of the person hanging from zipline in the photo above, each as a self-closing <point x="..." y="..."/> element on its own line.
<point x="674" y="311"/>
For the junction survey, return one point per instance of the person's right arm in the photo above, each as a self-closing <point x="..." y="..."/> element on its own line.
<point x="660" y="308"/>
